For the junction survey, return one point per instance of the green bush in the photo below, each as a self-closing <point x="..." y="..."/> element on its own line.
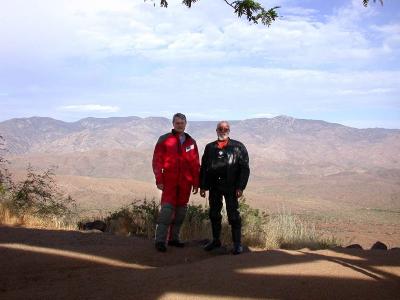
<point x="282" y="230"/>
<point x="37" y="200"/>
<point x="6" y="183"/>
<point x="40" y="196"/>
<point x="253" y="224"/>
<point x="138" y="218"/>
<point x="196" y="224"/>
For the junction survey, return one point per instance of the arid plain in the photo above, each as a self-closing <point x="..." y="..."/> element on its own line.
<point x="344" y="180"/>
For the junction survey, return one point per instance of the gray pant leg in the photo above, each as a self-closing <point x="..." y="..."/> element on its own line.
<point x="180" y="213"/>
<point x="163" y="222"/>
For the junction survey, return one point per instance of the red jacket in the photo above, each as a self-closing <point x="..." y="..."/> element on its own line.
<point x="174" y="163"/>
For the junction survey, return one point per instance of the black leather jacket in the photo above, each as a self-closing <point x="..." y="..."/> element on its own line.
<point x="228" y="166"/>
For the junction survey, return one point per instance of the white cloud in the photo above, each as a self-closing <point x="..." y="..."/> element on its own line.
<point x="299" y="41"/>
<point x="256" y="92"/>
<point x="150" y="58"/>
<point x="209" y="32"/>
<point x="90" y="108"/>
<point x="298" y="11"/>
<point x="365" y="91"/>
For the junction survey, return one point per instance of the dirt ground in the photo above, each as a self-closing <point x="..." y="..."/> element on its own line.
<point x="363" y="234"/>
<point x="52" y="264"/>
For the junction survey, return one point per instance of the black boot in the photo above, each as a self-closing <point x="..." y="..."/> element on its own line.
<point x="176" y="243"/>
<point x="236" y="239"/>
<point x="237" y="249"/>
<point x="216" y="232"/>
<point x="212" y="245"/>
<point x="160" y="246"/>
<point x="216" y="229"/>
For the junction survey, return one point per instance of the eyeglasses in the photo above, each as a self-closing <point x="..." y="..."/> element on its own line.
<point x="223" y="129"/>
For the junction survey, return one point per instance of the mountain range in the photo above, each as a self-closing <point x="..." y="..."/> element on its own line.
<point x="290" y="158"/>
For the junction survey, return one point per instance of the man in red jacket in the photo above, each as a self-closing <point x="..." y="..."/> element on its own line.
<point x="176" y="168"/>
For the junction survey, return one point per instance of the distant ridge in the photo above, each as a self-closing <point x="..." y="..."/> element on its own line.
<point x="281" y="145"/>
<point x="302" y="163"/>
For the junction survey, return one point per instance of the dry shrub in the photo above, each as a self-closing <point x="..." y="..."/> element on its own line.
<point x="253" y="224"/>
<point x="7" y="217"/>
<point x="138" y="218"/>
<point x="287" y="231"/>
<point x="38" y="195"/>
<point x="282" y="230"/>
<point x="36" y="201"/>
<point x="196" y="224"/>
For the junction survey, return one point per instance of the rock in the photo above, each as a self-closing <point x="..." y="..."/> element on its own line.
<point x="379" y="246"/>
<point x="92" y="231"/>
<point x="122" y="226"/>
<point x="337" y="247"/>
<point x="98" y="225"/>
<point x="354" y="246"/>
<point x="395" y="249"/>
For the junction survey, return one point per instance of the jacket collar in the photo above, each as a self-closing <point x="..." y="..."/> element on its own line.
<point x="173" y="131"/>
<point x="229" y="141"/>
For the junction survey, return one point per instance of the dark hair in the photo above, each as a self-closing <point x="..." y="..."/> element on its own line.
<point x="180" y="116"/>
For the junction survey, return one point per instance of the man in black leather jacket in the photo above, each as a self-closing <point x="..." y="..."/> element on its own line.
<point x="224" y="172"/>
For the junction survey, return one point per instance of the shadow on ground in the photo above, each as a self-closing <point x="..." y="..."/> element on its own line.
<point x="69" y="264"/>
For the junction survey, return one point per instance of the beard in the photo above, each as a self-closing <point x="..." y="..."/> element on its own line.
<point x="223" y="136"/>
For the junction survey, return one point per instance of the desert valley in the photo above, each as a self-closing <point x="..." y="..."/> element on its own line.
<point x="344" y="180"/>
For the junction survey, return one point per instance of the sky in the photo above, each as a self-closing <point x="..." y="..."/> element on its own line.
<point x="326" y="60"/>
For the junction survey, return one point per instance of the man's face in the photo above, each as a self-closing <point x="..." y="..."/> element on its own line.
<point x="223" y="131"/>
<point x="179" y="125"/>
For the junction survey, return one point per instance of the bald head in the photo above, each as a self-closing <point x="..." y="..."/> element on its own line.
<point x="223" y="124"/>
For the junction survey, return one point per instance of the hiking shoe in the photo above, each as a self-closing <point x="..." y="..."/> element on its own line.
<point x="160" y="246"/>
<point x="176" y="243"/>
<point x="212" y="245"/>
<point x="237" y="249"/>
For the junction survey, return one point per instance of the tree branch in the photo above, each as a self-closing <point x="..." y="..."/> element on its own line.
<point x="230" y="4"/>
<point x="251" y="9"/>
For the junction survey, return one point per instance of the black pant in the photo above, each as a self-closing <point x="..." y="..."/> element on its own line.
<point x="232" y="209"/>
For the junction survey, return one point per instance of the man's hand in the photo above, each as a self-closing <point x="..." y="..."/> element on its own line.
<point x="239" y="193"/>
<point x="195" y="190"/>
<point x="160" y="186"/>
<point x="202" y="193"/>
